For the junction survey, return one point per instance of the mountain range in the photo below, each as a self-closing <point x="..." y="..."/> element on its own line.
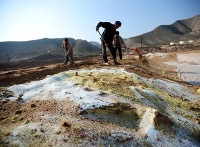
<point x="181" y="30"/>
<point x="43" y="49"/>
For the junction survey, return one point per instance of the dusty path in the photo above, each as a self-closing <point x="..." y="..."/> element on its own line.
<point x="155" y="69"/>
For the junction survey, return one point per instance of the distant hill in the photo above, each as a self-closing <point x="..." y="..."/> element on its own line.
<point x="43" y="49"/>
<point x="181" y="30"/>
<point x="84" y="48"/>
<point x="96" y="43"/>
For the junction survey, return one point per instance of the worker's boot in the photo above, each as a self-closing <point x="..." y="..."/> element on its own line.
<point x="115" y="62"/>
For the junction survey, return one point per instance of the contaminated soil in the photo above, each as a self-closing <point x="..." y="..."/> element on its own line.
<point x="53" y="122"/>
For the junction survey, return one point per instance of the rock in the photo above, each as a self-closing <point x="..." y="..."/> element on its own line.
<point x="5" y="101"/>
<point x="33" y="105"/>
<point x="198" y="91"/>
<point x="156" y="138"/>
<point x="26" y="122"/>
<point x="19" y="99"/>
<point x="83" y="112"/>
<point x="151" y="80"/>
<point x="140" y="86"/>
<point x="7" y="93"/>
<point x="14" y="118"/>
<point x="7" y="133"/>
<point x="2" y="117"/>
<point x="18" y="111"/>
<point x="103" y="79"/>
<point x="20" y="95"/>
<point x="42" y="130"/>
<point x="57" y="132"/>
<point x="65" y="124"/>
<point x="161" y="118"/>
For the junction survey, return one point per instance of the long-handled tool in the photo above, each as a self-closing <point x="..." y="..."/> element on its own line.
<point x="99" y="32"/>
<point x="106" y="43"/>
<point x="102" y="38"/>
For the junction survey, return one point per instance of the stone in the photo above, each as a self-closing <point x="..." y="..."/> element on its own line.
<point x="161" y="118"/>
<point x="198" y="91"/>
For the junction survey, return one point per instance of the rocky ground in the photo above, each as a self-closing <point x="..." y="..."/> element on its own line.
<point x="126" y="121"/>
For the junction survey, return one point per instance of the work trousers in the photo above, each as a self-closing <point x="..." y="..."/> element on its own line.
<point x="119" y="51"/>
<point x="69" y="58"/>
<point x="111" y="49"/>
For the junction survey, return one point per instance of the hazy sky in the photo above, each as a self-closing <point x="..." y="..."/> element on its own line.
<point x="22" y="20"/>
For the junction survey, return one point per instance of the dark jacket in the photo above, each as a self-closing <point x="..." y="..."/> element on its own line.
<point x="109" y="31"/>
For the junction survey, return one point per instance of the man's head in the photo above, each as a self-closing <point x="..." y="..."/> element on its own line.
<point x="66" y="40"/>
<point x="117" y="24"/>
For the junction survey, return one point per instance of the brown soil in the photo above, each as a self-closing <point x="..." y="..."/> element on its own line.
<point x="71" y="131"/>
<point x="153" y="68"/>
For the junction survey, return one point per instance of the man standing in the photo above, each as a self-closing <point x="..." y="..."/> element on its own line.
<point x="107" y="39"/>
<point x="118" y="43"/>
<point x="68" y="51"/>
